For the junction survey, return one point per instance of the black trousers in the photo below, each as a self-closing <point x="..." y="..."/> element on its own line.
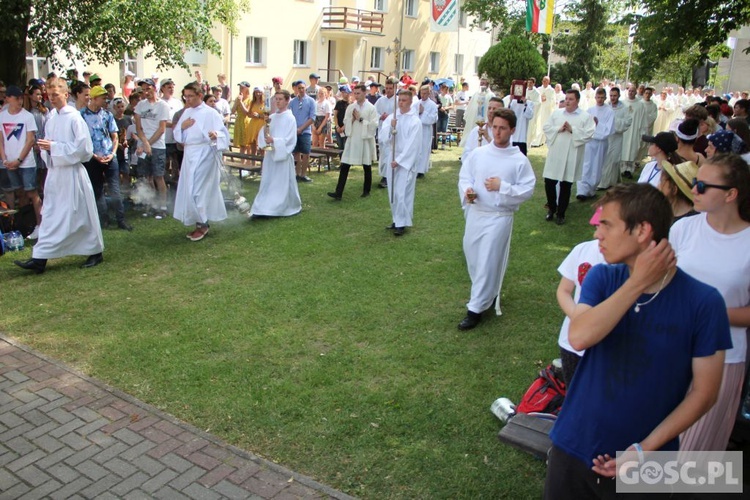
<point x="570" y="479"/>
<point x="557" y="205"/>
<point x="570" y="362"/>
<point x="344" y="173"/>
<point x="522" y="147"/>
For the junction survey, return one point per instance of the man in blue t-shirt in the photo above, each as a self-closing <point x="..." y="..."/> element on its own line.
<point x="303" y="109"/>
<point x="650" y="331"/>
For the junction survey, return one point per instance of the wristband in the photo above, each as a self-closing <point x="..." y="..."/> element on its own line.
<point x="639" y="450"/>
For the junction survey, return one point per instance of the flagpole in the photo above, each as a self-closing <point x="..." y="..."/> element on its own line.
<point x="551" y="41"/>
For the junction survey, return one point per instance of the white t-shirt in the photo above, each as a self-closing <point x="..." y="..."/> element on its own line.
<point x="15" y="128"/>
<point x="651" y="174"/>
<point x="152" y="114"/>
<point x="575" y="267"/>
<point x="322" y="108"/>
<point x="719" y="260"/>
<point x="223" y="107"/>
<point x="174" y="106"/>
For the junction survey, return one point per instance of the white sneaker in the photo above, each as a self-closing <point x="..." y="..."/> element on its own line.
<point x="34" y="234"/>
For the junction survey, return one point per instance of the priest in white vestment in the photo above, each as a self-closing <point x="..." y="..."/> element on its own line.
<point x="596" y="148"/>
<point x="623" y="121"/>
<point x="361" y="126"/>
<point x="492" y="184"/>
<point x="651" y="113"/>
<point x="427" y="112"/>
<point x="548" y="104"/>
<point x="524" y="111"/>
<point x="201" y="130"/>
<point x="477" y="108"/>
<point x="631" y="139"/>
<point x="533" y="96"/>
<point x="665" y="108"/>
<point x="278" y="194"/>
<point x="567" y="130"/>
<point x="402" y="131"/>
<point x="588" y="97"/>
<point x="70" y="220"/>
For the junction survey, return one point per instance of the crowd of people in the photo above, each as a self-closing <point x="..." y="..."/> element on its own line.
<point x="684" y="327"/>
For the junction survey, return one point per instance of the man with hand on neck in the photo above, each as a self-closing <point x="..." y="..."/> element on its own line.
<point x="655" y="340"/>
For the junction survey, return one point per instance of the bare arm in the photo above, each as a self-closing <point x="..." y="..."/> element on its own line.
<point x="565" y="296"/>
<point x="739" y="316"/>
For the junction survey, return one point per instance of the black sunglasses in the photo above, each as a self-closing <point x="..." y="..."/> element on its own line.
<point x="701" y="186"/>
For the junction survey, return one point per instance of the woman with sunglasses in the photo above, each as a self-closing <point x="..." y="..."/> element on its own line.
<point x="713" y="247"/>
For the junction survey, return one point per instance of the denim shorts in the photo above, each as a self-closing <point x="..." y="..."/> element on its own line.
<point x="13" y="180"/>
<point x="304" y="143"/>
<point x="154" y="165"/>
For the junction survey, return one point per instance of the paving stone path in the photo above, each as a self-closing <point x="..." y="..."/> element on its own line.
<point x="65" y="435"/>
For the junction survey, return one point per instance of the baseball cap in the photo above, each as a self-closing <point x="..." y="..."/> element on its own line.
<point x="94" y="77"/>
<point x="13" y="91"/>
<point x="297" y="82"/>
<point x="315" y="75"/>
<point x="147" y="81"/>
<point x="167" y="81"/>
<point x="722" y="140"/>
<point x="97" y="91"/>
<point x="244" y="84"/>
<point x="663" y="140"/>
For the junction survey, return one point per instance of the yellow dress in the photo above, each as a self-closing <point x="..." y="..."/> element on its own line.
<point x="256" y="123"/>
<point x="242" y="134"/>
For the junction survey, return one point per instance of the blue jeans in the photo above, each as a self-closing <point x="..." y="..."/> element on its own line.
<point x="99" y="173"/>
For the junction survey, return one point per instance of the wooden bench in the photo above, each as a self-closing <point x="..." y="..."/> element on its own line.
<point x="320" y="154"/>
<point x="233" y="160"/>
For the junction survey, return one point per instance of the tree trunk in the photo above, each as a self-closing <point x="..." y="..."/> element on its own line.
<point x="16" y="17"/>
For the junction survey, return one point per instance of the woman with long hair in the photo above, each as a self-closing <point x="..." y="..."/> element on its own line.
<point x="241" y="108"/>
<point x="740" y="127"/>
<point x="80" y="93"/>
<point x="257" y="119"/>
<point x="322" y="119"/>
<point x="128" y="85"/>
<point x="713" y="247"/>
<point x="676" y="183"/>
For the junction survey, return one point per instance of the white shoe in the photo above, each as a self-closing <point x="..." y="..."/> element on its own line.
<point x="34" y="234"/>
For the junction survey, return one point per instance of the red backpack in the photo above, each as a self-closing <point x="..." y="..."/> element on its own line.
<point x="545" y="395"/>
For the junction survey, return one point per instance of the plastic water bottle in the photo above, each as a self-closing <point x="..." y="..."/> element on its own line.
<point x="503" y="408"/>
<point x="745" y="406"/>
<point x="16" y="241"/>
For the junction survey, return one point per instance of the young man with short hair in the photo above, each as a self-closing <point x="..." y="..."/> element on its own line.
<point x="18" y="167"/>
<point x="303" y="109"/>
<point x="492" y="184"/>
<point x="151" y="117"/>
<point x="655" y="340"/>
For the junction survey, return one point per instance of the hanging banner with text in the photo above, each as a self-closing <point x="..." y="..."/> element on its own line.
<point x="539" y="16"/>
<point x="443" y="15"/>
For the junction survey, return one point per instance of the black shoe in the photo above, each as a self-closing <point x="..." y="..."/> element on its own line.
<point x="36" y="265"/>
<point x="305" y="178"/>
<point x="391" y="227"/>
<point x="383" y="183"/>
<point x="335" y="196"/>
<point x="93" y="260"/>
<point x="124" y="226"/>
<point x="560" y="221"/>
<point x="399" y="231"/>
<point x="298" y="178"/>
<point x="627" y="174"/>
<point x="365" y="195"/>
<point x="582" y="197"/>
<point x="550" y="216"/>
<point x="471" y="320"/>
<point x="420" y="176"/>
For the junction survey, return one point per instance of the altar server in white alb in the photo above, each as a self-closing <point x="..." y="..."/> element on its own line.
<point x="623" y="121"/>
<point x="524" y="111"/>
<point x="631" y="139"/>
<point x="596" y="148"/>
<point x="278" y="194"/>
<point x="201" y="129"/>
<point x="481" y="136"/>
<point x="492" y="184"/>
<point x="70" y="221"/>
<point x="405" y="129"/>
<point x="428" y="115"/>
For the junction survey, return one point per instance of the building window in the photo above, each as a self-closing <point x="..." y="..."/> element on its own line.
<point x="462" y="19"/>
<point x="36" y="67"/>
<point x="130" y="63"/>
<point x="376" y="58"/>
<point x="459" y="64"/>
<point x="434" y="62"/>
<point x="476" y="64"/>
<point x="254" y="50"/>
<point x="301" y="53"/>
<point x="407" y="60"/>
<point x="411" y="8"/>
<point x="380" y="6"/>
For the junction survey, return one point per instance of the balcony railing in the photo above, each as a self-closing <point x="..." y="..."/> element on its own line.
<point x="346" y="18"/>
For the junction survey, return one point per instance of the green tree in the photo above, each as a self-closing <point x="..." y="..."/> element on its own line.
<point x="514" y="57"/>
<point x="102" y="30"/>
<point x="670" y="27"/>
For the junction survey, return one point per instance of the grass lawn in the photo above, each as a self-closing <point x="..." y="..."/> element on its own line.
<point x="319" y="341"/>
